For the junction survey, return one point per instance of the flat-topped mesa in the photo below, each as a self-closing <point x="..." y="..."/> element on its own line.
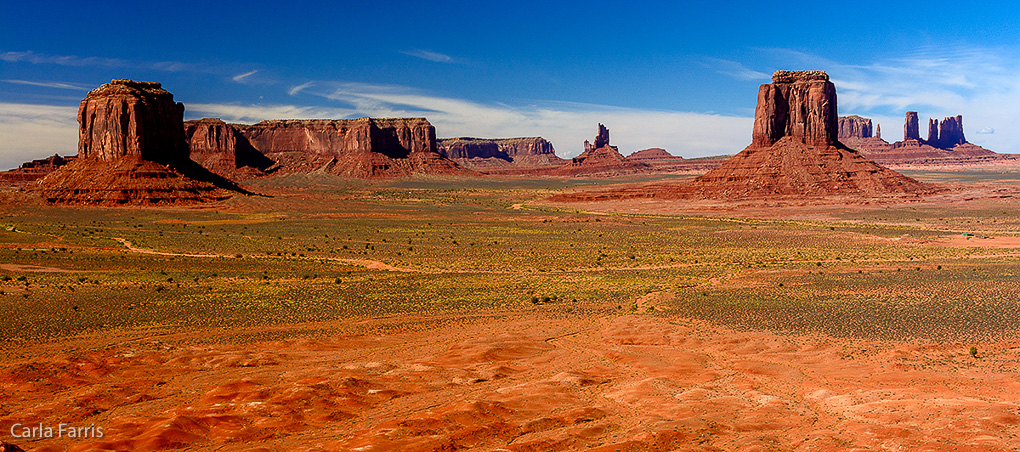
<point x="854" y="126"/>
<point x="798" y="104"/>
<point x="127" y="117"/>
<point x="910" y="127"/>
<point x="394" y="137"/>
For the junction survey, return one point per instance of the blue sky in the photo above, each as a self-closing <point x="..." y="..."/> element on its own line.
<point x="677" y="75"/>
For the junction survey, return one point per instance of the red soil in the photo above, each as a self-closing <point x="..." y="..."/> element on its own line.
<point x="517" y="382"/>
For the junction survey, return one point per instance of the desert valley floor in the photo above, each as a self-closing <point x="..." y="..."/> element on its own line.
<point x="445" y="313"/>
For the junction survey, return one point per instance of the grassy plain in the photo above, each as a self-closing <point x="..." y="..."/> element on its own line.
<point x="343" y="249"/>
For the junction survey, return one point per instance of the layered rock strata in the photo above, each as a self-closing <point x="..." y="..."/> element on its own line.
<point x="222" y="149"/>
<point x="132" y="150"/>
<point x="362" y="148"/>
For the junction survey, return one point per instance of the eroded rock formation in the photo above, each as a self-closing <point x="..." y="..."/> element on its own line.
<point x="600" y="158"/>
<point x="499" y="152"/>
<point x="794" y="153"/>
<point x="910" y="127"/>
<point x="945" y="147"/>
<point x="854" y="126"/>
<point x="131" y="150"/>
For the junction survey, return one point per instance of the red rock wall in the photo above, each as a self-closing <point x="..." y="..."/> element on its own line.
<point x="854" y="126"/>
<point x="126" y="117"/>
<point x="503" y="148"/>
<point x="211" y="136"/>
<point x="396" y="138"/>
<point x="798" y="104"/>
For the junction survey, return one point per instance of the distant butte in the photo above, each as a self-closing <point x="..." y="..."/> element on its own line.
<point x="491" y="153"/>
<point x="945" y="146"/>
<point x="600" y="158"/>
<point x="794" y="152"/>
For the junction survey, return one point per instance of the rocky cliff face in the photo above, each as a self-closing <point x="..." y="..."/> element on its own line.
<point x="127" y="117"/>
<point x="222" y="149"/>
<point x="483" y="152"/>
<point x="34" y="170"/>
<point x="132" y="150"/>
<point x="797" y="104"/>
<point x="358" y="148"/>
<point x="854" y="126"/>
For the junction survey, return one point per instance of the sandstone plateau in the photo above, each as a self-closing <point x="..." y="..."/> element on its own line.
<point x="482" y="153"/>
<point x="222" y="149"/>
<point x="794" y="152"/>
<point x="945" y="146"/>
<point x="131" y="150"/>
<point x="600" y="158"/>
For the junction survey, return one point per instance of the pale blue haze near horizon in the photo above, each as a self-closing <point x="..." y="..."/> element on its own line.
<point x="678" y="75"/>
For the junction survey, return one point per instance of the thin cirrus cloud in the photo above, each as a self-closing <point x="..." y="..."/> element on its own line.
<point x="735" y="69"/>
<point x="57" y="85"/>
<point x="240" y="77"/>
<point x="435" y="57"/>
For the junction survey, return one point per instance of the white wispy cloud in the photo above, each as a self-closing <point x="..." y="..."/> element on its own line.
<point x="29" y="132"/>
<point x="240" y="77"/>
<point x="294" y="90"/>
<point x="45" y="84"/>
<point x="429" y="55"/>
<point x="31" y="57"/>
<point x="735" y="69"/>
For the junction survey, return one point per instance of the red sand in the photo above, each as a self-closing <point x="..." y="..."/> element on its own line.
<point x="519" y="382"/>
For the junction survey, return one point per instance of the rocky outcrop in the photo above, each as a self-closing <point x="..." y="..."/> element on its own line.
<point x="910" y="127"/>
<point x="132" y="150"/>
<point x="358" y="148"/>
<point x="794" y="153"/>
<point x="483" y="153"/>
<point x="653" y="155"/>
<point x="600" y="158"/>
<point x="946" y="147"/>
<point x="222" y="149"/>
<point x="34" y="170"/>
<point x="951" y="132"/>
<point x="127" y="117"/>
<point x="854" y="126"/>
<point x="797" y="104"/>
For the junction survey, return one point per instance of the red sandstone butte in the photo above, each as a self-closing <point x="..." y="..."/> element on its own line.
<point x="653" y="155"/>
<point x="600" y="158"/>
<point x="794" y="152"/>
<point x="131" y="150"/>
<point x="222" y="149"/>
